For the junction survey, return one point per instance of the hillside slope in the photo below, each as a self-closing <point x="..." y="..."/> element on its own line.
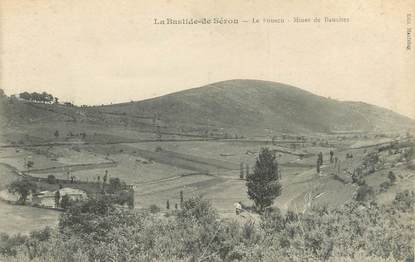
<point x="253" y="106"/>
<point x="248" y="107"/>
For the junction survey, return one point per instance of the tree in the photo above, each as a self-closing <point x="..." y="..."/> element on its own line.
<point x="65" y="202"/>
<point x="263" y="184"/>
<point x="25" y="96"/>
<point x="104" y="179"/>
<point x="364" y="192"/>
<point x="241" y="171"/>
<point x="57" y="198"/>
<point x="115" y="184"/>
<point x="197" y="209"/>
<point x="35" y="96"/>
<point x="319" y="161"/>
<point x="318" y="165"/>
<point x="30" y="163"/>
<point x="181" y="197"/>
<point x="168" y="204"/>
<point x="44" y="97"/>
<point x="23" y="188"/>
<point x="130" y="201"/>
<point x="392" y="177"/>
<point x="158" y="133"/>
<point x="154" y="208"/>
<point x="47" y="98"/>
<point x="320" y="156"/>
<point x="51" y="179"/>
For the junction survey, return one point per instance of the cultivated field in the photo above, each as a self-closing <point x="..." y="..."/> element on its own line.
<point x="160" y="159"/>
<point x="159" y="170"/>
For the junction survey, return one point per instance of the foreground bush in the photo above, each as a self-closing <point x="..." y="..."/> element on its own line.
<point x="97" y="231"/>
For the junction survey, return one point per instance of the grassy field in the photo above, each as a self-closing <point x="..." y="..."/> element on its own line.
<point x="21" y="219"/>
<point x="159" y="170"/>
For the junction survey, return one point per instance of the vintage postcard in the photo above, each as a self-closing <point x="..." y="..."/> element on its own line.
<point x="178" y="130"/>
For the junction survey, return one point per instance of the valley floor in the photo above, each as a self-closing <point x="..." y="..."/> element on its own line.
<point x="160" y="170"/>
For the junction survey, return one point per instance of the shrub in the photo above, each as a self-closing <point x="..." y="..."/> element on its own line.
<point x="86" y="217"/>
<point x="9" y="245"/>
<point x="198" y="209"/>
<point x="51" y="179"/>
<point x="384" y="186"/>
<point x="154" y="208"/>
<point x="30" y="164"/>
<point x="405" y="201"/>
<point x="392" y="177"/>
<point x="65" y="202"/>
<point x="364" y="193"/>
<point x="115" y="184"/>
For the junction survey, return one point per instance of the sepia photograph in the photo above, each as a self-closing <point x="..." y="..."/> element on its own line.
<point x="207" y="130"/>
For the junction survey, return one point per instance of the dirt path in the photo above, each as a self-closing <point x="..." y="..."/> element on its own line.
<point x="72" y="168"/>
<point x="156" y="181"/>
<point x="12" y="169"/>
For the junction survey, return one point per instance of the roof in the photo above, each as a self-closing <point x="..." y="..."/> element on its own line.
<point x="71" y="191"/>
<point x="45" y="193"/>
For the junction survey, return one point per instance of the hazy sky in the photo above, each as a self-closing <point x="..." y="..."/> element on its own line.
<point x="102" y="51"/>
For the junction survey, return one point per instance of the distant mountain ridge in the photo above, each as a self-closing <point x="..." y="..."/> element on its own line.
<point x="255" y="105"/>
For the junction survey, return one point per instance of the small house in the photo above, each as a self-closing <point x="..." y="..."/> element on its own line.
<point x="44" y="199"/>
<point x="48" y="198"/>
<point x="73" y="193"/>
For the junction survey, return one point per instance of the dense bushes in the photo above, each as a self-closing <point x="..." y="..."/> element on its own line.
<point x="405" y="201"/>
<point x="9" y="244"/>
<point x="324" y="233"/>
<point x="97" y="231"/>
<point x="31" y="246"/>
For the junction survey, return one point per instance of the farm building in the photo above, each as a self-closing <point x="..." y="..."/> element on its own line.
<point x="44" y="199"/>
<point x="47" y="198"/>
<point x="73" y="194"/>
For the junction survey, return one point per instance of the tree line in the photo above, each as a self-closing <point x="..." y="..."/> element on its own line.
<point x="39" y="97"/>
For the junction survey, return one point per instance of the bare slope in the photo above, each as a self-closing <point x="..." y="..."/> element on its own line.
<point x="253" y="105"/>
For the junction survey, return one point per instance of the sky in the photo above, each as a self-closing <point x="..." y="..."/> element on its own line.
<point x="105" y="51"/>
